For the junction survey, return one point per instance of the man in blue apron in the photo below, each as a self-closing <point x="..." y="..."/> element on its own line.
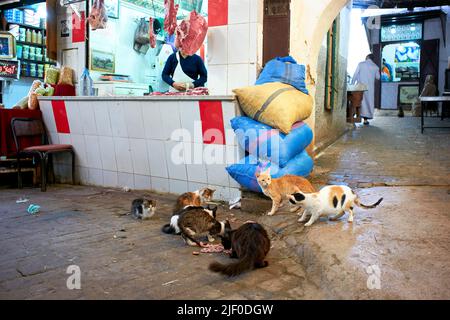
<point x="183" y="72"/>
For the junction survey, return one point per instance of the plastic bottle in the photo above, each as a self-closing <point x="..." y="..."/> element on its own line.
<point x="33" y="37"/>
<point x="28" y="35"/>
<point x="87" y="85"/>
<point x="39" y="37"/>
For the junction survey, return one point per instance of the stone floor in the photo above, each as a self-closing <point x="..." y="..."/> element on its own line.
<point x="406" y="238"/>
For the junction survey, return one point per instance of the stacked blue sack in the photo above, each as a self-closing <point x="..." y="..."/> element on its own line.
<point x="284" y="70"/>
<point x="286" y="153"/>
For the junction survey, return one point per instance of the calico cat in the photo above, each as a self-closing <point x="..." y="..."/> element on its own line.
<point x="143" y="208"/>
<point x="250" y="244"/>
<point x="172" y="227"/>
<point x="194" y="221"/>
<point x="329" y="200"/>
<point x="279" y="189"/>
<point x="196" y="198"/>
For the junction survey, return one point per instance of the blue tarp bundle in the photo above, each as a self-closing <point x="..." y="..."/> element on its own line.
<point x="284" y="70"/>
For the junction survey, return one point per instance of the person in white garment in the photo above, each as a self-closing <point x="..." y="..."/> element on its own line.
<point x="366" y="73"/>
<point x="183" y="72"/>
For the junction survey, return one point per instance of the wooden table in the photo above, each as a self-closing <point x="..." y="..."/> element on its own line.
<point x="431" y="99"/>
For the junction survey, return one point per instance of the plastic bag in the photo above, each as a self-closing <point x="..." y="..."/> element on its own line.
<point x="51" y="76"/>
<point x="266" y="142"/>
<point x="244" y="171"/>
<point x="284" y="70"/>
<point x="86" y="82"/>
<point x="98" y="18"/>
<point x="66" y="76"/>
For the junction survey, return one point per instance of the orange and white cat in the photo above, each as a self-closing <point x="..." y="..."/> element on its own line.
<point x="279" y="189"/>
<point x="329" y="200"/>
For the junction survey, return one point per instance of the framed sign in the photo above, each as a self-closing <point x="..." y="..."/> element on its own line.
<point x="7" y="46"/>
<point x="9" y="69"/>
<point x="407" y="94"/>
<point x="112" y="8"/>
<point x="102" y="61"/>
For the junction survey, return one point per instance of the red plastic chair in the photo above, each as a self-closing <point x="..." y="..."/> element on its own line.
<point x="28" y="128"/>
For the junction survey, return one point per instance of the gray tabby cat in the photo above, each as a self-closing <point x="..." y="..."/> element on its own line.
<point x="195" y="221"/>
<point x="143" y="208"/>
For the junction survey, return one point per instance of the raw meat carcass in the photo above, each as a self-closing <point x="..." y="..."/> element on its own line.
<point x="170" y="20"/>
<point x="191" y="33"/>
<point x="98" y="18"/>
<point x="151" y="33"/>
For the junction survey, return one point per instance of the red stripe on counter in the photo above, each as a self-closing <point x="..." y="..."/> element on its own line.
<point x="211" y="116"/>
<point x="217" y="13"/>
<point x="60" y="115"/>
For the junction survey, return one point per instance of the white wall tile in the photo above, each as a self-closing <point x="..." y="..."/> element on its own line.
<point x="237" y="76"/>
<point x="217" y="175"/>
<point x="197" y="173"/>
<point x="110" y="179"/>
<point x="107" y="153"/>
<point x="47" y="116"/>
<point x="191" y="121"/>
<point x="117" y="118"/>
<point x="170" y="116"/>
<point x="93" y="151"/>
<point x="123" y="155"/>
<point x="253" y="43"/>
<point x="79" y="146"/>
<point x="178" y="186"/>
<point x="95" y="177"/>
<point x="74" y="117"/>
<point x="82" y="174"/>
<point x="235" y="192"/>
<point x="232" y="154"/>
<point x="213" y="154"/>
<point x="194" y="186"/>
<point x="134" y="121"/>
<point x="217" y="46"/>
<point x="142" y="182"/>
<point x="238" y="11"/>
<point x="252" y="74"/>
<point x="175" y="164"/>
<point x="54" y="137"/>
<point x="254" y="10"/>
<point x="87" y="116"/>
<point x="217" y="79"/>
<point x="102" y="120"/>
<point x="139" y="155"/>
<point x="157" y="158"/>
<point x="160" y="184"/>
<point x="238" y="43"/>
<point x="64" y="138"/>
<point x="153" y="125"/>
<point x="222" y="193"/>
<point x="125" y="180"/>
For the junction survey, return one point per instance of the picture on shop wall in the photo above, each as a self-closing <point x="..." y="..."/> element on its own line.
<point x="112" y="8"/>
<point x="102" y="61"/>
<point x="7" y="46"/>
<point x="407" y="94"/>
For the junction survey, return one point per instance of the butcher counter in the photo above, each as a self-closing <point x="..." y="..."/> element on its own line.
<point x="161" y="143"/>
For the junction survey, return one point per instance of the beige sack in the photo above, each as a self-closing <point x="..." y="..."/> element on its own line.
<point x="276" y="104"/>
<point x="66" y="76"/>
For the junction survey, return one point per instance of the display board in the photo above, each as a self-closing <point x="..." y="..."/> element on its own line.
<point x="9" y="69"/>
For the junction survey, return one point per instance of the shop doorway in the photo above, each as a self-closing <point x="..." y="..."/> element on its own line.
<point x="276" y="26"/>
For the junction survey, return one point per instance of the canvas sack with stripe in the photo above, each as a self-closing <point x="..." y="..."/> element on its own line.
<point x="276" y="104"/>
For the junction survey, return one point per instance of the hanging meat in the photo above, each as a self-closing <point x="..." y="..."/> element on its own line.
<point x="170" y="20"/>
<point x="151" y="33"/>
<point x="191" y="33"/>
<point x="98" y="17"/>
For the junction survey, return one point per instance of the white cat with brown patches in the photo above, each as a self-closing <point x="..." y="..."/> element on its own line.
<point x="329" y="200"/>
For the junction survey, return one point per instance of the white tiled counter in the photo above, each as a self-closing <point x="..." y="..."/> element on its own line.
<point x="149" y="143"/>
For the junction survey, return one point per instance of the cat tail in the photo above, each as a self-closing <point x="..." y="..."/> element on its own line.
<point x="358" y="203"/>
<point x="168" y="228"/>
<point x="233" y="269"/>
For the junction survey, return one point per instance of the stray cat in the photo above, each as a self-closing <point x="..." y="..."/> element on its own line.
<point x="329" y="200"/>
<point x="196" y="198"/>
<point x="172" y="227"/>
<point x="194" y="221"/>
<point x="249" y="243"/>
<point x="279" y="189"/>
<point x="143" y="208"/>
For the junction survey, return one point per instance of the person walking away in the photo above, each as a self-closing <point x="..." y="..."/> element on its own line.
<point x="366" y="73"/>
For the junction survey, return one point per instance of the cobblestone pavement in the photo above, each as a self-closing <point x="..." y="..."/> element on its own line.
<point x="406" y="238"/>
